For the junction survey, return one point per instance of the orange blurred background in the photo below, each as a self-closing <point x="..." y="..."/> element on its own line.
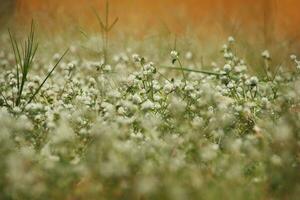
<point x="268" y="17"/>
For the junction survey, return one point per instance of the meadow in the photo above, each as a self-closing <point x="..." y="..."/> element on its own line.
<point x="100" y="117"/>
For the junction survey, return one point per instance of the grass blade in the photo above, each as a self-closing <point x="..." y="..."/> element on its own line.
<point x="17" y="57"/>
<point x="113" y="24"/>
<point x="48" y="75"/>
<point x="192" y="70"/>
<point x="99" y="19"/>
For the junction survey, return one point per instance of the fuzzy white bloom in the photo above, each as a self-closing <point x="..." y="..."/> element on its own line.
<point x="174" y="54"/>
<point x="121" y="110"/>
<point x="189" y="55"/>
<point x="168" y="87"/>
<point x="225" y="47"/>
<point x="107" y="68"/>
<point x="235" y="146"/>
<point x="266" y="54"/>
<point x="210" y="152"/>
<point x="157" y="97"/>
<point x="114" y="94"/>
<point x="136" y="99"/>
<point x="197" y="122"/>
<point x="230" y="85"/>
<point x="276" y="160"/>
<point x="136" y="58"/>
<point x="46" y="152"/>
<point x="156" y="86"/>
<point x="130" y="80"/>
<point x="17" y="109"/>
<point x="92" y="80"/>
<point x="214" y="64"/>
<point x="227" y="68"/>
<point x="239" y="89"/>
<point x="231" y="39"/>
<point x="253" y="80"/>
<point x="228" y="55"/>
<point x="63" y="133"/>
<point x="70" y="66"/>
<point x="293" y="57"/>
<point x="189" y="87"/>
<point x="147" y="105"/>
<point x="264" y="99"/>
<point x="240" y="68"/>
<point x="56" y="57"/>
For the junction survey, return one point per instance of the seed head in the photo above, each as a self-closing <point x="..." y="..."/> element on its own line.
<point x="174" y="55"/>
<point x="231" y="39"/>
<point x="227" y="68"/>
<point x="266" y="54"/>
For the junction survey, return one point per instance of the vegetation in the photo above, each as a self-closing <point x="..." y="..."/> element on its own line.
<point x="147" y="124"/>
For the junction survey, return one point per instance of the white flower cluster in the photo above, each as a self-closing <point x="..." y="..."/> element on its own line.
<point x="132" y="129"/>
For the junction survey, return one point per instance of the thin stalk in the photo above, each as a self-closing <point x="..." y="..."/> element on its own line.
<point x="48" y="75"/>
<point x="105" y="29"/>
<point x="182" y="71"/>
<point x="192" y="70"/>
<point x="5" y="100"/>
<point x="23" y="59"/>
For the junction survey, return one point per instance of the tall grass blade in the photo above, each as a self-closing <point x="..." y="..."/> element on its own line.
<point x="48" y="75"/>
<point x="29" y="51"/>
<point x="113" y="24"/>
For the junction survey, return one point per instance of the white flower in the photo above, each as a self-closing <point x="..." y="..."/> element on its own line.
<point x="131" y="80"/>
<point x="266" y="54"/>
<point x="197" y="122"/>
<point x="56" y="57"/>
<point x="168" y="87"/>
<point x="17" y="109"/>
<point x="230" y="85"/>
<point x="231" y="39"/>
<point x="136" y="58"/>
<point x="239" y="89"/>
<point x="121" y="111"/>
<point x="189" y="87"/>
<point x="240" y="68"/>
<point x="224" y="47"/>
<point x="174" y="54"/>
<point x="107" y="68"/>
<point x="147" y="105"/>
<point x="227" y="68"/>
<point x="293" y="57"/>
<point x="276" y="160"/>
<point x="92" y="80"/>
<point x="157" y="97"/>
<point x="254" y="80"/>
<point x="210" y="152"/>
<point x="189" y="55"/>
<point x="70" y="66"/>
<point x="136" y="99"/>
<point x="214" y="64"/>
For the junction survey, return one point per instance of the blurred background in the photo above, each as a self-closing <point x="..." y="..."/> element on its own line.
<point x="267" y="19"/>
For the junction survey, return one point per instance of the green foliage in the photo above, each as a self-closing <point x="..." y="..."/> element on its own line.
<point x="148" y="130"/>
<point x="24" y="57"/>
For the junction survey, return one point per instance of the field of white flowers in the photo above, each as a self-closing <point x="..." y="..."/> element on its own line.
<point x="140" y="125"/>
